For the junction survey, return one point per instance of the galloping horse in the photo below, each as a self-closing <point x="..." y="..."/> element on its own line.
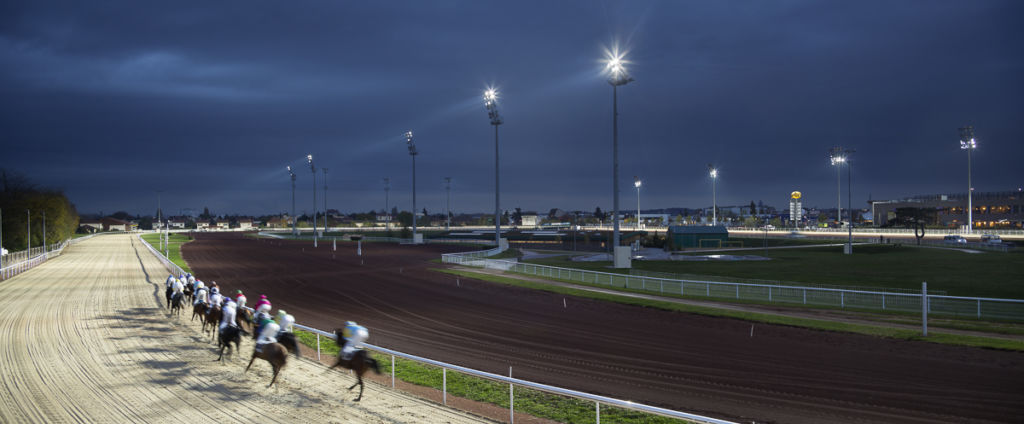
<point x="288" y="341"/>
<point x="212" y="319"/>
<point x="168" y="293"/>
<point x="274" y="353"/>
<point x="189" y="293"/>
<point x="359" y="363"/>
<point x="200" y="310"/>
<point x="230" y="334"/>
<point x="244" y="315"/>
<point x="176" y="301"/>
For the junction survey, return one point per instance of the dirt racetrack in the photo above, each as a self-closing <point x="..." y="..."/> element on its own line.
<point x="83" y="338"/>
<point x="705" y="365"/>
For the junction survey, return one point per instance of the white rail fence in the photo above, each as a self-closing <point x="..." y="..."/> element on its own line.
<point x="977" y="307"/>
<point x="512" y="382"/>
<point x="24" y="260"/>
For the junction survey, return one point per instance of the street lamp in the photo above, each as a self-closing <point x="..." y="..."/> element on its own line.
<point x="412" y="153"/>
<point x="617" y="75"/>
<point x="312" y="167"/>
<point x="836" y="156"/>
<point x="714" y="195"/>
<point x="637" y="183"/>
<point x="294" y="231"/>
<point x="448" y="204"/>
<point x="849" y="202"/>
<point x="491" y="102"/>
<point x="967" y="143"/>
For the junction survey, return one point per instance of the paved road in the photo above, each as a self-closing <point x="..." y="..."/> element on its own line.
<point x="85" y="339"/>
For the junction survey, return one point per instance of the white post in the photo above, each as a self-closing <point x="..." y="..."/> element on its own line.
<point x="444" y="386"/>
<point x="359" y="247"/>
<point x="317" y="346"/>
<point x="598" y="408"/>
<point x="392" y="371"/>
<point x="924" y="308"/>
<point x="334" y="244"/>
<point x="511" y="400"/>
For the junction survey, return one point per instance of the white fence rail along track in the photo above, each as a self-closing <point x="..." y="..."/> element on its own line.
<point x="18" y="262"/>
<point x="512" y="382"/>
<point x="977" y="307"/>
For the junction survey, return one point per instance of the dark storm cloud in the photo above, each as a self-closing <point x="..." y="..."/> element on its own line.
<point x="210" y="102"/>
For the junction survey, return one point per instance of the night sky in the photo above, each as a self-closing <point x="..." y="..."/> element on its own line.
<point x="114" y="100"/>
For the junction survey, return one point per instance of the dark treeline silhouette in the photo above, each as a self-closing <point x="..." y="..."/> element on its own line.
<point x="18" y="195"/>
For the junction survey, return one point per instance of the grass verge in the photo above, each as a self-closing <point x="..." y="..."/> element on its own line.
<point x="527" y="401"/>
<point x="173" y="247"/>
<point x="892" y="333"/>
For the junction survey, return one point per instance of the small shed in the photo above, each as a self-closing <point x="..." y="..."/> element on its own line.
<point x="691" y="236"/>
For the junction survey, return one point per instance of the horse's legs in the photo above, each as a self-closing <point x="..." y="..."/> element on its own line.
<point x="360" y="382"/>
<point x="276" y="369"/>
<point x="250" y="362"/>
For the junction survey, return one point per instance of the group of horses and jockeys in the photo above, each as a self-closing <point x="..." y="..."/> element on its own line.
<point x="228" y="317"/>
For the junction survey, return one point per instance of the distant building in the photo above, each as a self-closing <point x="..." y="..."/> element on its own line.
<point x="991" y="209"/>
<point x="106" y="224"/>
<point x="245" y="224"/>
<point x="530" y="220"/>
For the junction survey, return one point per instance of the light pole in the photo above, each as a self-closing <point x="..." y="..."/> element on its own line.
<point x="325" y="199"/>
<point x="44" y="231"/>
<point x="967" y="143"/>
<point x="617" y="76"/>
<point x="491" y="102"/>
<point x="637" y="183"/>
<point x="1" y="238"/>
<point x="412" y="153"/>
<point x="849" y="202"/>
<point x="159" y="217"/>
<point x="292" y="174"/>
<point x="836" y="156"/>
<point x="387" y="212"/>
<point x="312" y="167"/>
<point x="28" y="218"/>
<point x="714" y="195"/>
<point x="448" y="203"/>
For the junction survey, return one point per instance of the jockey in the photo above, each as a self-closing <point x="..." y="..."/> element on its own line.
<point x="354" y="335"/>
<point x="268" y="334"/>
<point x="285" y="321"/>
<point x="170" y="280"/>
<point x="214" y="289"/>
<point x="262" y="314"/>
<point x="215" y="299"/>
<point x="200" y="295"/>
<point x="178" y="287"/>
<point x="240" y="299"/>
<point x="228" y="319"/>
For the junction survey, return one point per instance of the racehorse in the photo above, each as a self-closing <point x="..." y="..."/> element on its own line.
<point x="168" y="293"/>
<point x="200" y="310"/>
<point x="212" y="318"/>
<point x="230" y="334"/>
<point x="274" y="353"/>
<point x="176" y="301"/>
<point x="189" y="293"/>
<point x="244" y="315"/>
<point x="288" y="341"/>
<point x="359" y="363"/>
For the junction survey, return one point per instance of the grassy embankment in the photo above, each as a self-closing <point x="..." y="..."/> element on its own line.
<point x="527" y="401"/>
<point x="173" y="247"/>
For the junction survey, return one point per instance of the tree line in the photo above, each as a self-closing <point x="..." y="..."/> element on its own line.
<point x="22" y="202"/>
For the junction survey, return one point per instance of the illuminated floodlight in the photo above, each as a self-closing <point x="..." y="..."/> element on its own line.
<point x="615" y="66"/>
<point x="637" y="182"/>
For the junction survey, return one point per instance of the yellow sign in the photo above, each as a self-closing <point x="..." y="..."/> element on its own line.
<point x="795" y="195"/>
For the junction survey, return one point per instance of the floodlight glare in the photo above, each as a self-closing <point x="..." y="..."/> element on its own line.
<point x="637" y="183"/>
<point x="615" y="66"/>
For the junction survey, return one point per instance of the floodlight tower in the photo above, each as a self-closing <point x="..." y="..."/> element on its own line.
<point x="312" y="168"/>
<point x="849" y="200"/>
<point x="387" y="212"/>
<point x="412" y="153"/>
<point x="637" y="183"/>
<point x="325" y="199"/>
<point x="967" y="143"/>
<point x="491" y="102"/>
<point x="294" y="231"/>
<point x="835" y="154"/>
<point x="617" y="76"/>
<point x="713" y="172"/>
<point x="448" y="203"/>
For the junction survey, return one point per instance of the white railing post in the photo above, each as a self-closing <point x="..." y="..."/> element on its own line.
<point x="979" y="308"/>
<point x="317" y="346"/>
<point x="444" y="386"/>
<point x="511" y="400"/>
<point x="924" y="308"/>
<point x="598" y="408"/>
<point x="392" y="371"/>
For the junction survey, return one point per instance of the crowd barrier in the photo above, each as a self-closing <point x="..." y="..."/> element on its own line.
<point x="26" y="260"/>
<point x="512" y="382"/>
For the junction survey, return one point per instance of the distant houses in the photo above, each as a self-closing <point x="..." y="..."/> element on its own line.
<point x="106" y="224"/>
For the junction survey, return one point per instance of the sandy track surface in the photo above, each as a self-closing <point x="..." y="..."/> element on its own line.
<point x="85" y="339"/>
